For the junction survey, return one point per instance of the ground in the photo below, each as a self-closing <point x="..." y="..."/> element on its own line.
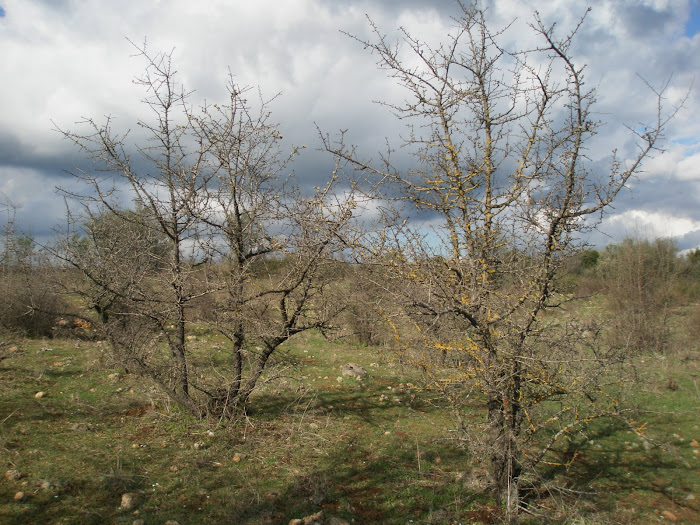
<point x="376" y="450"/>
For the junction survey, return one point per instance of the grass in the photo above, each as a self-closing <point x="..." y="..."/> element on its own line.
<point x="370" y="451"/>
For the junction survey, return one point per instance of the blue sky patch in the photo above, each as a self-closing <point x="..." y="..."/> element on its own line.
<point x="2" y="12"/>
<point x="692" y="28"/>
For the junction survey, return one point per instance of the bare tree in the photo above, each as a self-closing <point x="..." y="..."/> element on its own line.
<point x="213" y="207"/>
<point x="477" y="230"/>
<point x="271" y="241"/>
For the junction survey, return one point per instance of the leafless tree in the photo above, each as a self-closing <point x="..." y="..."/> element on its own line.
<point x="474" y="234"/>
<point x="213" y="211"/>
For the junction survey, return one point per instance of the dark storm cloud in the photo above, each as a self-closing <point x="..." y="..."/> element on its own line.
<point x="64" y="59"/>
<point x="19" y="153"/>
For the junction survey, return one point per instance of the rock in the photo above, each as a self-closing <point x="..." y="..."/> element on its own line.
<point x="45" y="485"/>
<point x="694" y="443"/>
<point x="318" y="519"/>
<point x="171" y="522"/>
<point x="475" y="480"/>
<point x="138" y="522"/>
<point x="114" y="376"/>
<point x="314" y="519"/>
<point x="669" y="515"/>
<point x="82" y="427"/>
<point x="129" y="501"/>
<point x="353" y="370"/>
<point x="199" y="445"/>
<point x="39" y="395"/>
<point x="13" y="475"/>
<point x="237" y="457"/>
<point x="20" y="497"/>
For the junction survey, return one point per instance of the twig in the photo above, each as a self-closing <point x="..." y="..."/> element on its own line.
<point x="418" y="455"/>
<point x="8" y="417"/>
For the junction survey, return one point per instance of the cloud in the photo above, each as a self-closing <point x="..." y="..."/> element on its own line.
<point x="63" y="60"/>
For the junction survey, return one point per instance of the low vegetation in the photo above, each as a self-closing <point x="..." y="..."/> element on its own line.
<point x="77" y="432"/>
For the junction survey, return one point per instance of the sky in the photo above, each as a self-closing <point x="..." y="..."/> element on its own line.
<point x="61" y="60"/>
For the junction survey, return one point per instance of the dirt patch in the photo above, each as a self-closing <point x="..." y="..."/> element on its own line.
<point x="139" y="410"/>
<point x="488" y="514"/>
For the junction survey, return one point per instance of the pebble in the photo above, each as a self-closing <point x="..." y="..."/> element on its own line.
<point x="129" y="501"/>
<point x="669" y="515"/>
<point x="20" y="496"/>
<point x="39" y="395"/>
<point x="13" y="475"/>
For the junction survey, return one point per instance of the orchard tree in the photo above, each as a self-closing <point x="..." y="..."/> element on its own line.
<point x="213" y="207"/>
<point x="499" y="172"/>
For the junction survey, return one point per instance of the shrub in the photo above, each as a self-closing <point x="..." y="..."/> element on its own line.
<point x="638" y="278"/>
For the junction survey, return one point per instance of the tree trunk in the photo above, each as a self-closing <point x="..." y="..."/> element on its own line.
<point x="505" y="467"/>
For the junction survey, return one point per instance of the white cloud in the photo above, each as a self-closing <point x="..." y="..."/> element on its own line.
<point x="63" y="60"/>
<point x="652" y="224"/>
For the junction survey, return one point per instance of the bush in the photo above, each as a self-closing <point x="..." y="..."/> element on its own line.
<point x="366" y="300"/>
<point x="689" y="276"/>
<point x="580" y="274"/>
<point x="639" y="278"/>
<point x="31" y="304"/>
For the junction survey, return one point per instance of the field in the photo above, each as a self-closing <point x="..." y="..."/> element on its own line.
<point x="376" y="450"/>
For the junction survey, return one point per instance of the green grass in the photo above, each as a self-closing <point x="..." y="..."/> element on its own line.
<point x="371" y="451"/>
